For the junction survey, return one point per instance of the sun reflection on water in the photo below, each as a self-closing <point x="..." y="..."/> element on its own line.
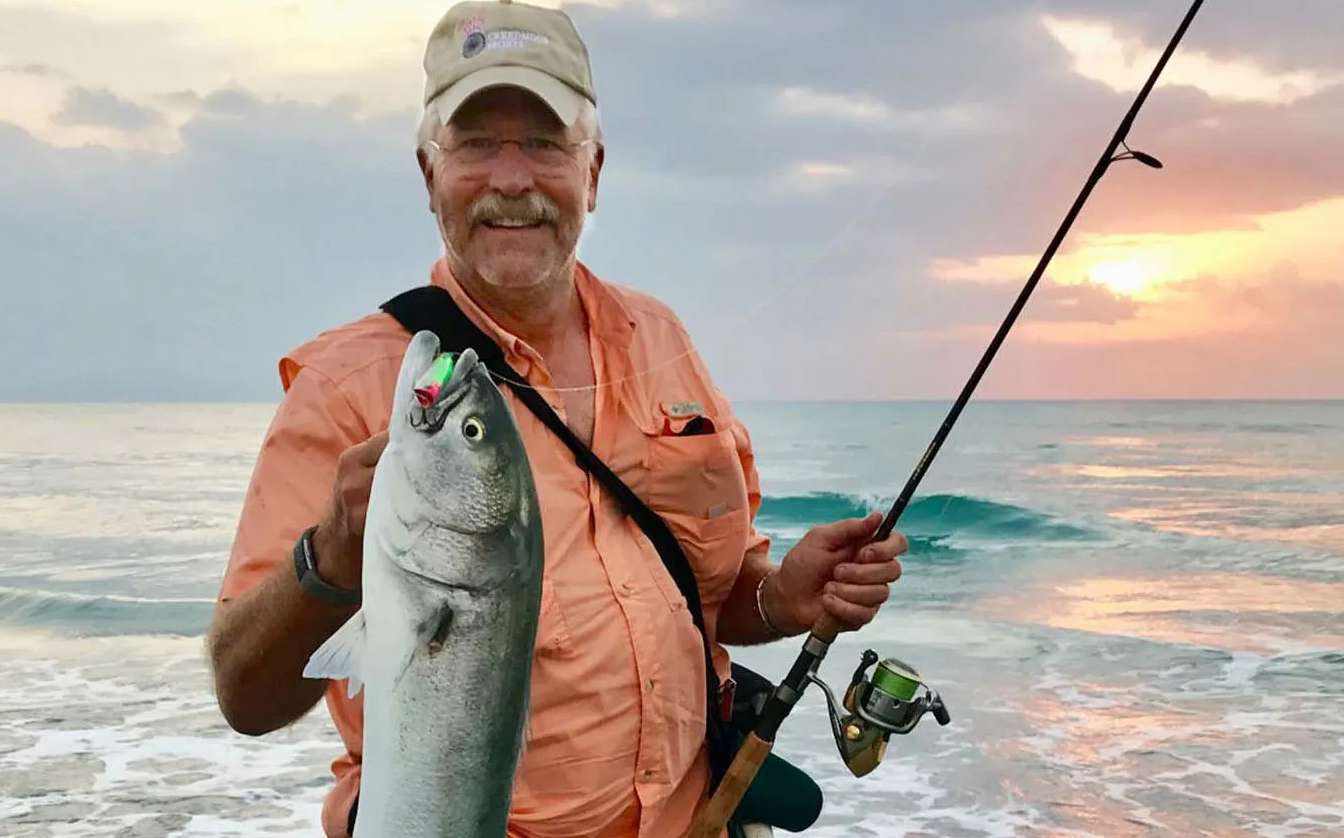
<point x="1183" y="609"/>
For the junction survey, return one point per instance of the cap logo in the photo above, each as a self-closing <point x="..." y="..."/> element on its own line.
<point x="478" y="41"/>
<point x="473" y="45"/>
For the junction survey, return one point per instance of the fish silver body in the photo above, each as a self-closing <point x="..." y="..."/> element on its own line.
<point x="442" y="644"/>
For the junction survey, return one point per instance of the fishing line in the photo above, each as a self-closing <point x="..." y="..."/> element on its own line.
<point x="633" y="377"/>
<point x="601" y="384"/>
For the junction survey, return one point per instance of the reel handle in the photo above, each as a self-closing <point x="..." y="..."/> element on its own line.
<point x="869" y="658"/>
<point x="939" y="710"/>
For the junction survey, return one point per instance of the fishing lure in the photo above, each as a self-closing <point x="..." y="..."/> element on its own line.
<point x="429" y="386"/>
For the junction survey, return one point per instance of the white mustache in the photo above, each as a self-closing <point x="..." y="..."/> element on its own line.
<point x="532" y="208"/>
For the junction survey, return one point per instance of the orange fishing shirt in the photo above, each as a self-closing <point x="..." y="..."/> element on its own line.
<point x="616" y="744"/>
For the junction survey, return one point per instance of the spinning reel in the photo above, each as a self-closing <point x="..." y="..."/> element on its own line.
<point x="892" y="701"/>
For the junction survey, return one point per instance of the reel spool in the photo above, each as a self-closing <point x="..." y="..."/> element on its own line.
<point x="893" y="700"/>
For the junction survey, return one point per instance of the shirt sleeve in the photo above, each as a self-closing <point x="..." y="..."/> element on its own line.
<point x="292" y="480"/>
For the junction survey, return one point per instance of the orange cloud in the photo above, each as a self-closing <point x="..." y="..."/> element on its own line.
<point x="1252" y="310"/>
<point x="1103" y="54"/>
<point x="1262" y="276"/>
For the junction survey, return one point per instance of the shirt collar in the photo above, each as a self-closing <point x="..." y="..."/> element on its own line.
<point x="608" y="317"/>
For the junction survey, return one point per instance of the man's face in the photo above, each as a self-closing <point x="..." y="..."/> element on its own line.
<point x="510" y="214"/>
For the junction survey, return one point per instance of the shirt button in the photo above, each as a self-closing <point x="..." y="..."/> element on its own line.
<point x="648" y="773"/>
<point x="627" y="588"/>
<point x="650" y="685"/>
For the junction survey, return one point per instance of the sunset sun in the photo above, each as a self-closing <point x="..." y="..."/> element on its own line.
<point x="1128" y="276"/>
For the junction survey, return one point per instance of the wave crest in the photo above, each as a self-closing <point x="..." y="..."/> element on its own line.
<point x="929" y="516"/>
<point x="104" y="615"/>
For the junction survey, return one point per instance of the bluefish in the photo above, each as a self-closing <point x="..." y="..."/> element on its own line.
<point x="442" y="644"/>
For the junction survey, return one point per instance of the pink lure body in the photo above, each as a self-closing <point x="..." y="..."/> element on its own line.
<point x="427" y="394"/>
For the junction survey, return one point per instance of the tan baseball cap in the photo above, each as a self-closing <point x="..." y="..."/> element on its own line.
<point x="477" y="45"/>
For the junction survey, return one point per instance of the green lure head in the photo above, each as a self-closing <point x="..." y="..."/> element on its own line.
<point x="429" y="386"/>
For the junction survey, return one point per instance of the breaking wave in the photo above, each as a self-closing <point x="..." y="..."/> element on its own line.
<point x="929" y="521"/>
<point x="939" y="527"/>
<point x="100" y="616"/>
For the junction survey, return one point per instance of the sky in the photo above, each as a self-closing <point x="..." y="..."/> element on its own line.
<point x="840" y="200"/>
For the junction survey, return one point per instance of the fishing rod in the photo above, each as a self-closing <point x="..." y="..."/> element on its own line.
<point x="891" y="701"/>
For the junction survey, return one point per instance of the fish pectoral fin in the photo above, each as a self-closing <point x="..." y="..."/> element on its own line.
<point x="342" y="656"/>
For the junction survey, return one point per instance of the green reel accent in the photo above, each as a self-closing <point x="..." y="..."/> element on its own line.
<point x="897" y="679"/>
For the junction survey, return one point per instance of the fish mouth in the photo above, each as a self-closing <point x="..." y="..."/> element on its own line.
<point x="435" y="400"/>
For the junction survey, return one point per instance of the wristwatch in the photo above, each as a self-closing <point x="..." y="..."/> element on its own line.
<point x="305" y="567"/>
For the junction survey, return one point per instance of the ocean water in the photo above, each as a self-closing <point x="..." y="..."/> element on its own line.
<point x="1134" y="611"/>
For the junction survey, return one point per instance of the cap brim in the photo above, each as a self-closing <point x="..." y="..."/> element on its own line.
<point x="562" y="99"/>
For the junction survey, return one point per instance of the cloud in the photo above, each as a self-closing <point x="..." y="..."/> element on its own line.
<point x="1101" y="53"/>
<point x="1280" y="301"/>
<point x="138" y="275"/>
<point x="309" y="51"/>
<point x="824" y="175"/>
<point x="866" y="109"/>
<point x="784" y="174"/>
<point x="39" y="70"/>
<point x="1148" y="263"/>
<point x="1276" y="337"/>
<point x="102" y="107"/>
<point x="1279" y="38"/>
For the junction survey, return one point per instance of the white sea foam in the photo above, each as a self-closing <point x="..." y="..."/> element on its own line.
<point x="100" y="735"/>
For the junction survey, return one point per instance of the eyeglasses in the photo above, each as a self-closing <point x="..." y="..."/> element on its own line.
<point x="543" y="153"/>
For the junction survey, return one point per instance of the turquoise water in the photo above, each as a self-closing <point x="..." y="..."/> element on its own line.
<point x="1135" y="612"/>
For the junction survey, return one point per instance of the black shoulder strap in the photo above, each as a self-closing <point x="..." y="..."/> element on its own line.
<point x="432" y="308"/>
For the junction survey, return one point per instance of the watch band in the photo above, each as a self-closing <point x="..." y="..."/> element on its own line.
<point x="305" y="567"/>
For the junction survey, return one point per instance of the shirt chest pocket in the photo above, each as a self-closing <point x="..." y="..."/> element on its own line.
<point x="693" y="478"/>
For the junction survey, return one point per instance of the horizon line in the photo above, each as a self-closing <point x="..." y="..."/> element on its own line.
<point x="737" y="401"/>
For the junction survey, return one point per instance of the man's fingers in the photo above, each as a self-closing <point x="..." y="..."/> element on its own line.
<point x="847" y="614"/>
<point x="368" y="452"/>
<point x="873" y="573"/>
<point x="865" y="595"/>
<point x="885" y="550"/>
<point x="364" y="455"/>
<point x="847" y="531"/>
<point x="894" y="545"/>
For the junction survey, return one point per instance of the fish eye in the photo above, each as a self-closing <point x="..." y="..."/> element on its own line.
<point x="473" y="429"/>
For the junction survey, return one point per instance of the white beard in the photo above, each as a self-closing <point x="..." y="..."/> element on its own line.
<point x="456" y="258"/>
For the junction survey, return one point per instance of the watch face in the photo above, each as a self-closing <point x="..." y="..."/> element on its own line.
<point x="304" y="565"/>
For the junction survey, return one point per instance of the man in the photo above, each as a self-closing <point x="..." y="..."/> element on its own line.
<point x="511" y="154"/>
